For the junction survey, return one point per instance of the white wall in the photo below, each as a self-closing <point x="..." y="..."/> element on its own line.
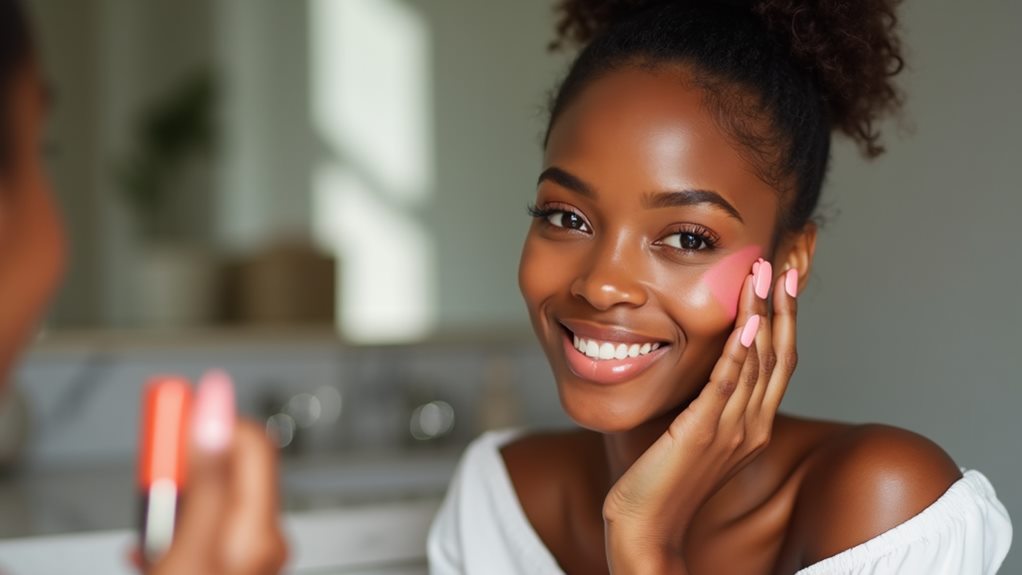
<point x="67" y="43"/>
<point x="107" y="60"/>
<point x="492" y="75"/>
<point x="267" y="152"/>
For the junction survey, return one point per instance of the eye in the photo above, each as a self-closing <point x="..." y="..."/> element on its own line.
<point x="570" y="220"/>
<point x="693" y="240"/>
<point x="560" y="218"/>
<point x="686" y="241"/>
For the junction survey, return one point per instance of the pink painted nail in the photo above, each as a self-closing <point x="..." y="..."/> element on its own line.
<point x="762" y="279"/>
<point x="213" y="419"/>
<point x="749" y="331"/>
<point x="755" y="267"/>
<point x="791" y="282"/>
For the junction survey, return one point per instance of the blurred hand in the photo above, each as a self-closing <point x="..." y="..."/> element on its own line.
<point x="229" y="522"/>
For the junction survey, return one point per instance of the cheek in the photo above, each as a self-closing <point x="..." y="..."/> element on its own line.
<point x="538" y="272"/>
<point x="722" y="283"/>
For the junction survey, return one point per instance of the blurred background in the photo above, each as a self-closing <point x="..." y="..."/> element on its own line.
<point x="327" y="198"/>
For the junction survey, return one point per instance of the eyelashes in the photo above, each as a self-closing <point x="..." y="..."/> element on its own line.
<point x="563" y="218"/>
<point x="686" y="237"/>
<point x="691" y="238"/>
<point x="537" y="212"/>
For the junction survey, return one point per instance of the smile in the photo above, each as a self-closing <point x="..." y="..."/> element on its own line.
<point x="609" y="361"/>
<point x="604" y="350"/>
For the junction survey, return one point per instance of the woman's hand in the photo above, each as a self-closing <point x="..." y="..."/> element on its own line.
<point x="648" y="510"/>
<point x="229" y="518"/>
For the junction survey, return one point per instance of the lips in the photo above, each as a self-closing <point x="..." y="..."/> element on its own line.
<point x="611" y="333"/>
<point x="608" y="354"/>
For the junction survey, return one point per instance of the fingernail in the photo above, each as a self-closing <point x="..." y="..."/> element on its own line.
<point x="749" y="331"/>
<point x="791" y="282"/>
<point x="755" y="267"/>
<point x="763" y="275"/>
<point x="213" y="422"/>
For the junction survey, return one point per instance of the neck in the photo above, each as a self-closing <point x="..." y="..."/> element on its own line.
<point x="624" y="447"/>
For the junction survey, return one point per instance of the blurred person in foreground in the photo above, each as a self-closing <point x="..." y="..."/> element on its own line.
<point x="229" y="520"/>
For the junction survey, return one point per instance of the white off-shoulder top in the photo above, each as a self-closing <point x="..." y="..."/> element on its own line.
<point x="482" y="528"/>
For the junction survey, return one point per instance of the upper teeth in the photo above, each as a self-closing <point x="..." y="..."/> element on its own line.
<point x="607" y="350"/>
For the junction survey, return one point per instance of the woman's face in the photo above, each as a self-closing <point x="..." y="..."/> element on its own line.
<point x="648" y="221"/>
<point x="25" y="194"/>
<point x="31" y="238"/>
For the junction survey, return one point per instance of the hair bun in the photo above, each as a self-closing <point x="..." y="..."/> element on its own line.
<point x="579" y="21"/>
<point x="850" y="48"/>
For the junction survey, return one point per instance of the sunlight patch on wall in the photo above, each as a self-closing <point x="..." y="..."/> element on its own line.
<point x="372" y="75"/>
<point x="386" y="284"/>
<point x="373" y="114"/>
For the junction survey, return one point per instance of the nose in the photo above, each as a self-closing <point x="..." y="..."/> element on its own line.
<point x="611" y="277"/>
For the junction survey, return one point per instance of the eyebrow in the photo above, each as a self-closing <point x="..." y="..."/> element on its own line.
<point x="566" y="180"/>
<point x="670" y="199"/>
<point x="690" y="198"/>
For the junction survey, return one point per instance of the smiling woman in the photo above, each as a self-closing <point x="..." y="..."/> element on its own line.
<point x="647" y="267"/>
<point x="672" y="234"/>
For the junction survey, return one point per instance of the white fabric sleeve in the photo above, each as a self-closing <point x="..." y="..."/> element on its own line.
<point x="967" y="531"/>
<point x="481" y="527"/>
<point x="443" y="545"/>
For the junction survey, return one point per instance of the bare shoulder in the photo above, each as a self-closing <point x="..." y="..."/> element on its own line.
<point x="551" y="473"/>
<point x="863" y="481"/>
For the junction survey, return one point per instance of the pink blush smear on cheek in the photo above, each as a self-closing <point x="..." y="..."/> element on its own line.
<point x="725" y="278"/>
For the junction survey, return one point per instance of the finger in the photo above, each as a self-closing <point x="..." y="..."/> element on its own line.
<point x="784" y="337"/>
<point x="764" y="341"/>
<point x="747" y="300"/>
<point x="253" y="542"/>
<point x="194" y="549"/>
<point x="734" y="411"/>
<point x="733" y="355"/>
<point x="196" y="536"/>
<point x="724" y="380"/>
<point x="754" y="302"/>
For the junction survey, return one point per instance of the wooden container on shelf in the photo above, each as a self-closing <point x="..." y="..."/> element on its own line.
<point x="284" y="284"/>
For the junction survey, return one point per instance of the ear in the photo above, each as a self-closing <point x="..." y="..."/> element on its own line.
<point x="796" y="252"/>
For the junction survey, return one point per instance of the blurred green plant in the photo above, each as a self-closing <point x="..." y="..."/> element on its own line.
<point x="175" y="130"/>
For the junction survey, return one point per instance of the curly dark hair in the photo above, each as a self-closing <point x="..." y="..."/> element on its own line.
<point x="781" y="75"/>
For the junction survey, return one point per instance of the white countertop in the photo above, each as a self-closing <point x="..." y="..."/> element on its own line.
<point x="377" y="539"/>
<point x="366" y="513"/>
<point x="103" y="497"/>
